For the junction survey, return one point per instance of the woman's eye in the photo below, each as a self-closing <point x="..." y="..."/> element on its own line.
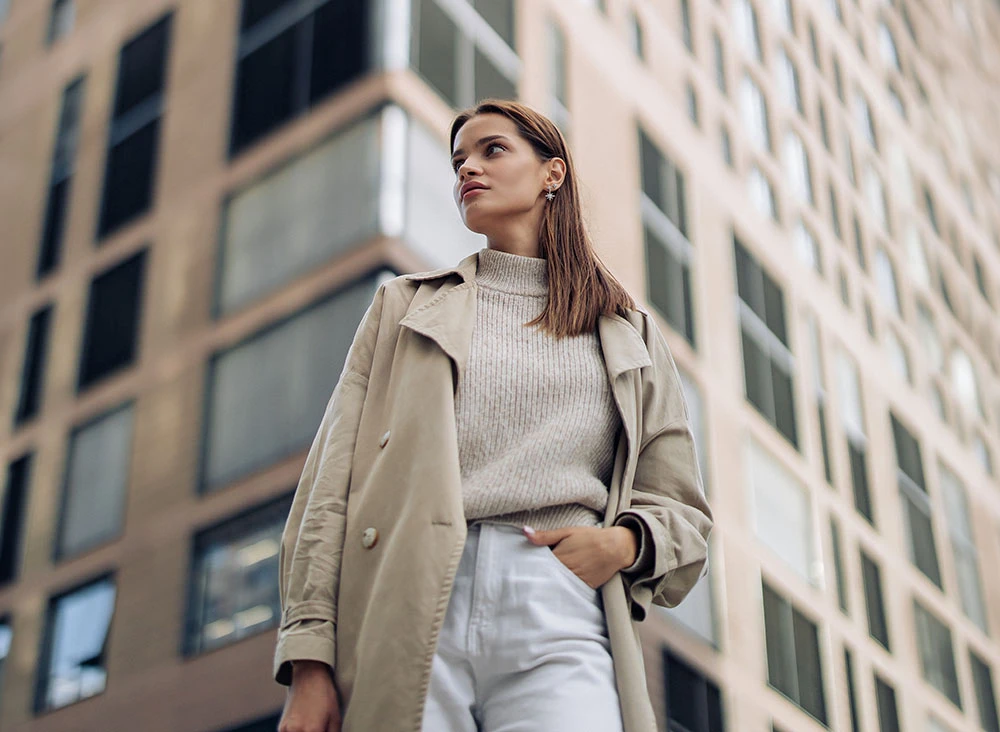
<point x="458" y="163"/>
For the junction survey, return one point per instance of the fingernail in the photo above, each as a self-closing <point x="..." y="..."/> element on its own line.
<point x="528" y="530"/>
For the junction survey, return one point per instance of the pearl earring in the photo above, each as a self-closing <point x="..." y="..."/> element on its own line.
<point x="550" y="195"/>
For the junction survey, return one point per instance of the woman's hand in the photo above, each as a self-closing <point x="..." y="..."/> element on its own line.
<point x="311" y="704"/>
<point x="592" y="553"/>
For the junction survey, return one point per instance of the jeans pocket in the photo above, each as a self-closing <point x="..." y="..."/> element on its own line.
<point x="570" y="575"/>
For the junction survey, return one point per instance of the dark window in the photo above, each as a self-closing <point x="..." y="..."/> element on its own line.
<point x="292" y="54"/>
<point x="60" y="178"/>
<point x="885" y="698"/>
<point x="500" y="15"/>
<point x="686" y="25"/>
<point x="33" y="370"/>
<point x="74" y="650"/>
<point x="727" y="145"/>
<point x="835" y="212"/>
<point x="824" y="439"/>
<point x="859" y="244"/>
<point x="986" y="699"/>
<point x="668" y="249"/>
<point x="814" y="44"/>
<point x="720" y="64"/>
<point x="872" y="577"/>
<point x="937" y="657"/>
<point x="111" y="335"/>
<point x="977" y="267"/>
<point x="693" y="702"/>
<point x="794" y="666"/>
<point x="857" y="452"/>
<point x="692" y="103"/>
<point x="767" y="360"/>
<point x="838" y="564"/>
<point x="15" y="501"/>
<point x="135" y="127"/>
<point x="824" y="125"/>
<point x="931" y="211"/>
<point x="838" y="79"/>
<point x="234" y="580"/>
<point x="916" y="502"/>
<point x="851" y="697"/>
<point x="61" y="20"/>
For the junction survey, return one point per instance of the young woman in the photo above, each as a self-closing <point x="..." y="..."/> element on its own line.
<point x="503" y="481"/>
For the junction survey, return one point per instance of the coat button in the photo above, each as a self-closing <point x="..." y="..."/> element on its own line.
<point x="385" y="439"/>
<point x="369" y="537"/>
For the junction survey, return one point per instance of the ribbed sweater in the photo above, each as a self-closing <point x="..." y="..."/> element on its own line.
<point x="537" y="424"/>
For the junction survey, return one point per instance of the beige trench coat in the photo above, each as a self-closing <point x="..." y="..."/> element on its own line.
<point x="377" y="527"/>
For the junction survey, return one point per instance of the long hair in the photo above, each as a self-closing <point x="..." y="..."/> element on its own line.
<point x="581" y="288"/>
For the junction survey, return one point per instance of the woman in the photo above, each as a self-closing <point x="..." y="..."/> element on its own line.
<point x="503" y="481"/>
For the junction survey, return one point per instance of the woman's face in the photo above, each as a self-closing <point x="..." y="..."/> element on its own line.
<point x="490" y="153"/>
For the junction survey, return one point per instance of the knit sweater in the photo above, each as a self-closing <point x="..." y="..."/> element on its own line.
<point x="536" y="418"/>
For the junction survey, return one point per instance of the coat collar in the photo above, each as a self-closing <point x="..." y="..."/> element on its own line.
<point x="450" y="316"/>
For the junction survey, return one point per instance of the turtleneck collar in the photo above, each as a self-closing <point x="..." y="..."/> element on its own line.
<point x="512" y="273"/>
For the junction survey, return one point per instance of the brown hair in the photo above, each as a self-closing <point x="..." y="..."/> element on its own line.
<point x="581" y="288"/>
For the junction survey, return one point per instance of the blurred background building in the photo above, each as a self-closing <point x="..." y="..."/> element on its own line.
<point x="198" y="199"/>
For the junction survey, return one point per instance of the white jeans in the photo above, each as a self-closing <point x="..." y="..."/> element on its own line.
<point x="524" y="646"/>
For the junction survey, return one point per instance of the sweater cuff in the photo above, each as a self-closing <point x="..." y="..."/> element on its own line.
<point x="644" y="557"/>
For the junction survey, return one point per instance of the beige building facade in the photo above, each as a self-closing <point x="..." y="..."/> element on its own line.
<point x="198" y="199"/>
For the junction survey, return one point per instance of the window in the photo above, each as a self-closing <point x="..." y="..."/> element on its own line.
<point x="838" y="80"/>
<point x="834" y="212"/>
<point x="824" y="126"/>
<point x="963" y="546"/>
<point x="896" y="100"/>
<point x="898" y="358"/>
<point x="747" y="28"/>
<point x="916" y="256"/>
<point x="727" y="146"/>
<point x="887" y="46"/>
<point x="314" y="212"/>
<point x="863" y="119"/>
<point x="767" y="359"/>
<point x="872" y="576"/>
<point x="931" y="211"/>
<point x="814" y="44"/>
<point x="267" y="394"/>
<point x="686" y="25"/>
<point x="819" y="385"/>
<point x="135" y="128"/>
<point x="761" y="193"/>
<point x="885" y="699"/>
<point x="112" y="326"/>
<point x="964" y="382"/>
<point x="635" y="39"/>
<point x="807" y="247"/>
<point x="694" y="703"/>
<point x="794" y="667"/>
<point x="834" y="7"/>
<point x="692" y="103"/>
<point x="668" y="248"/>
<point x="234" y="579"/>
<point x="936" y="655"/>
<point x="782" y="10"/>
<point x="852" y="414"/>
<point x="851" y="697"/>
<point x="928" y="337"/>
<point x="557" y="80"/>
<point x="885" y="278"/>
<point x="788" y="82"/>
<point x="97" y="473"/>
<point x="798" y="169"/>
<point x="982" y="453"/>
<point x="859" y="244"/>
<point x="980" y="275"/>
<point x="838" y="565"/>
<point x="916" y="502"/>
<point x="33" y="369"/>
<point x="14" y="503"/>
<point x="60" y="178"/>
<point x="754" y="109"/>
<point x="720" y="64"/>
<point x="875" y="196"/>
<point x="291" y="55"/>
<point x="61" y="20"/>
<point x="982" y="679"/>
<point x="74" y="655"/>
<point x="782" y="512"/>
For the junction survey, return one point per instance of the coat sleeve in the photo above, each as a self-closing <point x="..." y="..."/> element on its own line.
<point x="313" y="538"/>
<point x="668" y="503"/>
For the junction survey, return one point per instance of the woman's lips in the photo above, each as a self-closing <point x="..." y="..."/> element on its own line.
<point x="472" y="191"/>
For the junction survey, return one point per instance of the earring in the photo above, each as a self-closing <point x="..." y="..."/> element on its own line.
<point x="550" y="195"/>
